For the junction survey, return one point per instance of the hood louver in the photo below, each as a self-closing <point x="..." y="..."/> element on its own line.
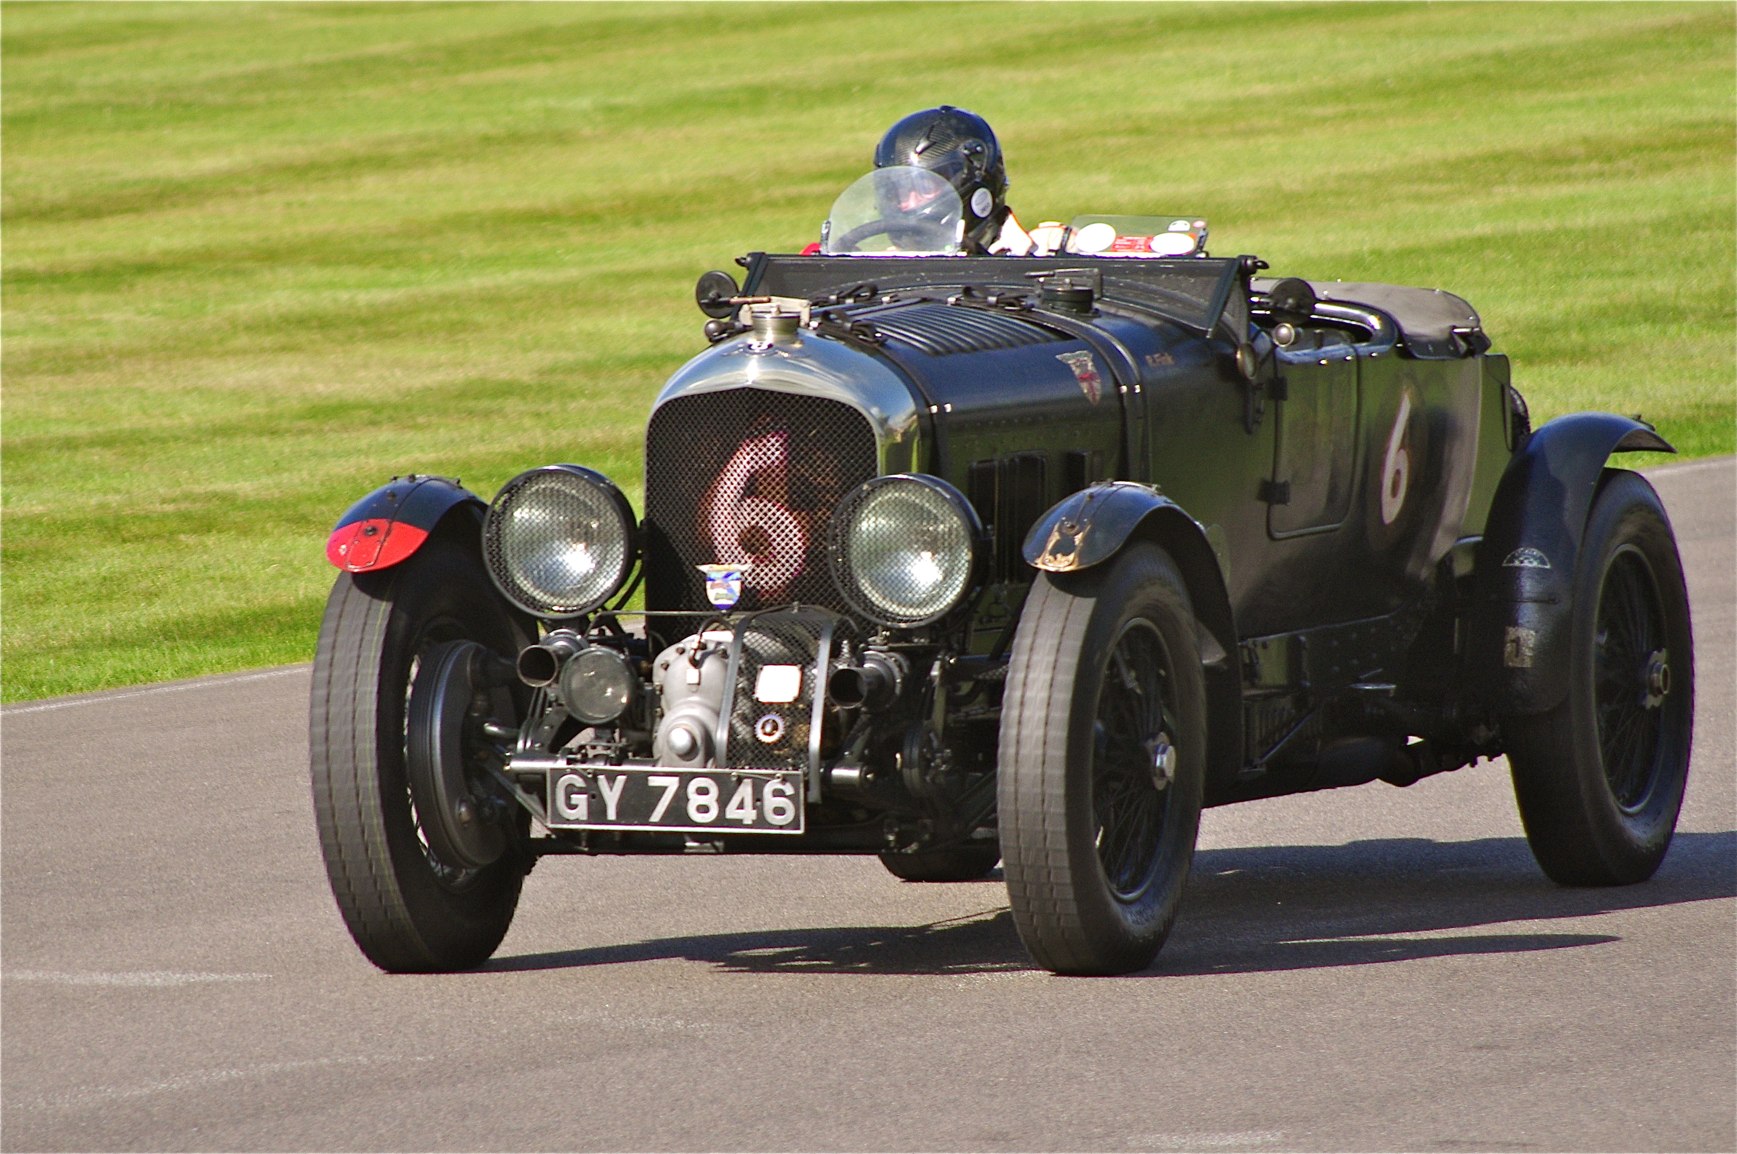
<point x="942" y="330"/>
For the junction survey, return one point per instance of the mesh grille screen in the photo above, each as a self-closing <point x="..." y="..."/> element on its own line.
<point x="748" y="477"/>
<point x="773" y="735"/>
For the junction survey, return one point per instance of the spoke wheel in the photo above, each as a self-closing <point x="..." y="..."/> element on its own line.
<point x="1103" y="754"/>
<point x="1131" y="740"/>
<point x="1630" y="676"/>
<point x="390" y="708"/>
<point x="1600" y="777"/>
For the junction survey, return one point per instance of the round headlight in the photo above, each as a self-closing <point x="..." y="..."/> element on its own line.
<point x="904" y="549"/>
<point x="560" y="540"/>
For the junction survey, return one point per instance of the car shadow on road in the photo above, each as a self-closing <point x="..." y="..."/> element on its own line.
<point x="1247" y="910"/>
<point x="977" y="943"/>
<point x="1299" y="907"/>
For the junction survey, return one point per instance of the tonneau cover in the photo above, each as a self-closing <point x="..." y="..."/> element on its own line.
<point x="1427" y="318"/>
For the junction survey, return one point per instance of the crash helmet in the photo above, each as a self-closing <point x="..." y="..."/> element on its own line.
<point x="961" y="147"/>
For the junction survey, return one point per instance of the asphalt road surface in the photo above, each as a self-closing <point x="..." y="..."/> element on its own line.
<point x="1372" y="968"/>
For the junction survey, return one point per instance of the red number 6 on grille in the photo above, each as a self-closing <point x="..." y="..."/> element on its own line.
<point x="747" y="520"/>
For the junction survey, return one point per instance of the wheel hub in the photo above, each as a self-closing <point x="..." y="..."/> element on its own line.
<point x="1658" y="678"/>
<point x="1163" y="757"/>
<point x="462" y="828"/>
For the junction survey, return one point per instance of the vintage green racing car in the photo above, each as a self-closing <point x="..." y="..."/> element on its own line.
<point x="964" y="560"/>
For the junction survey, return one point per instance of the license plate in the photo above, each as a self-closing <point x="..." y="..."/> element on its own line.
<point x="676" y="800"/>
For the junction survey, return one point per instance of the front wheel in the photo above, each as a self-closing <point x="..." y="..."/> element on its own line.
<point x="1600" y="777"/>
<point x="424" y="856"/>
<point x="1102" y="763"/>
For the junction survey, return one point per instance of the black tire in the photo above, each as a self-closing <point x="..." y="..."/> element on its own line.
<point x="1600" y="777"/>
<point x="407" y="909"/>
<point x="1105" y="672"/>
<point x="963" y="863"/>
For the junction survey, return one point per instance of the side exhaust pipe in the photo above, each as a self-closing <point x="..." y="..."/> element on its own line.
<point x="873" y="685"/>
<point x="540" y="664"/>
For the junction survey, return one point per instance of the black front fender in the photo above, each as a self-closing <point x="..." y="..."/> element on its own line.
<point x="1525" y="564"/>
<point x="1091" y="526"/>
<point x="393" y="521"/>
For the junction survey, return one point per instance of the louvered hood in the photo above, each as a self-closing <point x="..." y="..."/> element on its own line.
<point x="939" y="329"/>
<point x="753" y="443"/>
<point x="1001" y="384"/>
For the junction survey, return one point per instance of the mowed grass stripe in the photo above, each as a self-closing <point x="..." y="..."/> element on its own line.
<point x="259" y="258"/>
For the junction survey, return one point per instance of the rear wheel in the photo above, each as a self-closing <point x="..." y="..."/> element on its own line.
<point x="425" y="857"/>
<point x="1102" y="763"/>
<point x="1600" y="778"/>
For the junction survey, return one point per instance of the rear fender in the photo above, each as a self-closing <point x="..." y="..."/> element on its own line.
<point x="1097" y="523"/>
<point x="391" y="523"/>
<point x="1518" y="645"/>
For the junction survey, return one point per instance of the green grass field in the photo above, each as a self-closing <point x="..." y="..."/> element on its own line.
<point x="258" y="259"/>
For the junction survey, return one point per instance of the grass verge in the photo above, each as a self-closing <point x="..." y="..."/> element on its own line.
<point x="260" y="258"/>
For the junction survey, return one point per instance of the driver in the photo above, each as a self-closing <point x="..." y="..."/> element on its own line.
<point x="960" y="147"/>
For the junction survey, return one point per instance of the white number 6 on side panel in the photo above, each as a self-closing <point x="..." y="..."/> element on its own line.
<point x="1396" y="465"/>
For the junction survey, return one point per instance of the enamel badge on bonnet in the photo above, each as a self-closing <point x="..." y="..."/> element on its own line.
<point x="1086" y="373"/>
<point x="724" y="584"/>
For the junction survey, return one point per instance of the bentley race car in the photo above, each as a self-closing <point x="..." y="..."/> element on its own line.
<point x="959" y="560"/>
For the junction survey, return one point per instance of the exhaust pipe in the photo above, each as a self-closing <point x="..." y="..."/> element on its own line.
<point x="540" y="664"/>
<point x="874" y="685"/>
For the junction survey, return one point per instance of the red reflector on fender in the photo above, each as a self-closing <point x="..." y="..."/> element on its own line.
<point x="373" y="544"/>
